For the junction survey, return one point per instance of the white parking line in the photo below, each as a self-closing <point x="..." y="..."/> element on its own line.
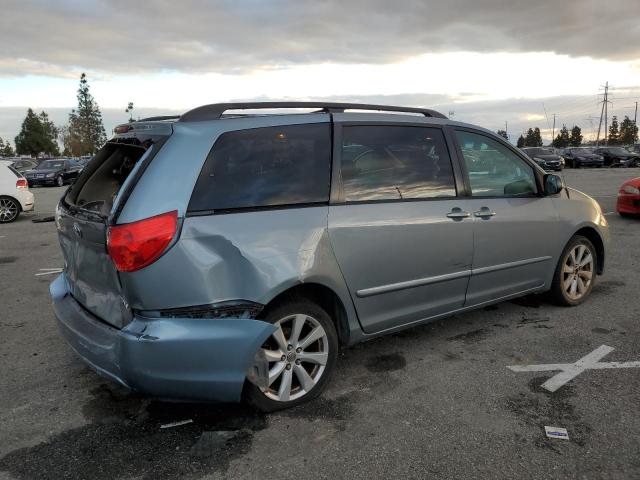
<point x="48" y="271"/>
<point x="569" y="371"/>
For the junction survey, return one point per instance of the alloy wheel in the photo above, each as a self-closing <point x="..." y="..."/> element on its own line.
<point x="8" y="210"/>
<point x="577" y="272"/>
<point x="297" y="353"/>
<point x="60" y="181"/>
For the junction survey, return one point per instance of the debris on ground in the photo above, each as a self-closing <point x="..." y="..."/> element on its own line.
<point x="176" y="424"/>
<point x="556" y="432"/>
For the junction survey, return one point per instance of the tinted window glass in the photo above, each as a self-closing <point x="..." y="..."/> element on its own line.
<point x="51" y="164"/>
<point x="15" y="172"/>
<point x="494" y="170"/>
<point x="395" y="163"/>
<point x="261" y="167"/>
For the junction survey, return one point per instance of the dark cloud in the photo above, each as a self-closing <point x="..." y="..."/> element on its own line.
<point x="117" y="36"/>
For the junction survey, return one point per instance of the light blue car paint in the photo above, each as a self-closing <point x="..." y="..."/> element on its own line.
<point x="169" y="358"/>
<point x="413" y="264"/>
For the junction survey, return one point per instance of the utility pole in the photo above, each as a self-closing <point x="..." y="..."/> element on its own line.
<point x="603" y="113"/>
<point x="635" y="115"/>
<point x="506" y="125"/>
<point x="553" y="130"/>
<point x="606" y="115"/>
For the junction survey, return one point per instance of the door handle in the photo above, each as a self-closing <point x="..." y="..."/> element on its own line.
<point x="484" y="212"/>
<point x="457" y="213"/>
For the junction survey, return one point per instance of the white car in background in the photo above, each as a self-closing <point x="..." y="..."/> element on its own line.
<point x="15" y="196"/>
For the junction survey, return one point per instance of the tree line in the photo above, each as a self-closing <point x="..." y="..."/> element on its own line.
<point x="625" y="133"/>
<point x="84" y="133"/>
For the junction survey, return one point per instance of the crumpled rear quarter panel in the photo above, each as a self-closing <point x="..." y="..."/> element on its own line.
<point x="242" y="256"/>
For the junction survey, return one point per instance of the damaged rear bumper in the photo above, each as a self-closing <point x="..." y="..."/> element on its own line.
<point x="168" y="358"/>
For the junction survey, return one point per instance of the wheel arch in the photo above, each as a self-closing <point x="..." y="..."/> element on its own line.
<point x="594" y="237"/>
<point x="16" y="200"/>
<point x="322" y="295"/>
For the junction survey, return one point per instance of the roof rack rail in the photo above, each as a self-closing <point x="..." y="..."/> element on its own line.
<point x="215" y="111"/>
<point x="159" y="117"/>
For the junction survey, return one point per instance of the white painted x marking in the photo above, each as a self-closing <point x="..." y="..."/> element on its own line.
<point x="569" y="371"/>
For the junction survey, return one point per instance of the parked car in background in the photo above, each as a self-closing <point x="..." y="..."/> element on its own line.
<point x="287" y="236"/>
<point x="15" y="196"/>
<point x="577" y="157"/>
<point x="629" y="198"/>
<point x="55" y="172"/>
<point x="79" y="163"/>
<point x="634" y="148"/>
<point x="545" y="157"/>
<point x="618" y="157"/>
<point x="24" y="164"/>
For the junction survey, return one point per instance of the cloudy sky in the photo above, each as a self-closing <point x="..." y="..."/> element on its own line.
<point x="488" y="61"/>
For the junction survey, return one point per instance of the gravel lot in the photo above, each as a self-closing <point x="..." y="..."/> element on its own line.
<point x="435" y="401"/>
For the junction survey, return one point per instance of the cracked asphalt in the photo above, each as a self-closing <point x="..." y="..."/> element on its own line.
<point x="435" y="401"/>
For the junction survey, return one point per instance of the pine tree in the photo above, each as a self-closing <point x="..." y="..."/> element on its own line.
<point x="86" y="132"/>
<point x="562" y="139"/>
<point x="521" y="142"/>
<point x="529" y="140"/>
<point x="614" y="132"/>
<point x="575" y="139"/>
<point x="35" y="137"/>
<point x="537" y="137"/>
<point x="628" y="132"/>
<point x="7" y="151"/>
<point x="503" y="134"/>
<point x="50" y="133"/>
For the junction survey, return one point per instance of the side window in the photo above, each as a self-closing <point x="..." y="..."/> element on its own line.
<point x="264" y="167"/>
<point x="395" y="163"/>
<point x="494" y="170"/>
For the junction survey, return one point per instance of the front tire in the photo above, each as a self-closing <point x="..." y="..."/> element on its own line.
<point x="575" y="273"/>
<point x="9" y="209"/>
<point x="60" y="181"/>
<point x="302" y="354"/>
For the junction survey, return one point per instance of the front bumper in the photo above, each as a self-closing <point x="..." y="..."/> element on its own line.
<point x="590" y="163"/>
<point x="628" y="203"/>
<point x="167" y="358"/>
<point x="41" y="181"/>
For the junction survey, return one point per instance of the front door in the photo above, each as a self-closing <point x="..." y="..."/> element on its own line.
<point x="398" y="228"/>
<point x="516" y="230"/>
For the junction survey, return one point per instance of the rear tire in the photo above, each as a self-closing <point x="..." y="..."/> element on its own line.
<point x="302" y="355"/>
<point x="575" y="273"/>
<point x="9" y="209"/>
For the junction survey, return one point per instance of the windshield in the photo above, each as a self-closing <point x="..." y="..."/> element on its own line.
<point x="539" y="151"/>
<point x="617" y="151"/>
<point x="581" y="150"/>
<point x="50" y="165"/>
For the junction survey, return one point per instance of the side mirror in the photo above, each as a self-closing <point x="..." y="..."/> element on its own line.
<point x="553" y="184"/>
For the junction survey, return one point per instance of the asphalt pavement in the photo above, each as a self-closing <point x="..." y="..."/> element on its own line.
<point x="435" y="401"/>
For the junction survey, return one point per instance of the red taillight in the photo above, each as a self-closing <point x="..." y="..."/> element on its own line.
<point x="21" y="183"/>
<point x="122" y="129"/>
<point x="133" y="246"/>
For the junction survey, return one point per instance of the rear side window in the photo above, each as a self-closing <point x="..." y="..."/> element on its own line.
<point x="395" y="163"/>
<point x="266" y="167"/>
<point x="15" y="172"/>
